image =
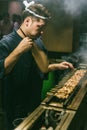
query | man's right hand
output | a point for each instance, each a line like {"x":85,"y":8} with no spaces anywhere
{"x":25,"y":45}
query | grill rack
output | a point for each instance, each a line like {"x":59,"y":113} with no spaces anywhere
{"x":65,"y":102}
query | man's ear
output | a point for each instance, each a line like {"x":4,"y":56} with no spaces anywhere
{"x":27,"y":21}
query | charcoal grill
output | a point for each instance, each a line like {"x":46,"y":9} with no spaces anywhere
{"x":74,"y":99}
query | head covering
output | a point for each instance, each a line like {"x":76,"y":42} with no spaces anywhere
{"x":27,"y":5}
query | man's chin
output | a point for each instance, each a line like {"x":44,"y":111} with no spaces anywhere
{"x":35,"y":36}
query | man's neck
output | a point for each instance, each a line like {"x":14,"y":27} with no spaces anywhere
{"x":21,"y":33}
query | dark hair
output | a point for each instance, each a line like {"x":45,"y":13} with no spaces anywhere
{"x":38,"y":9}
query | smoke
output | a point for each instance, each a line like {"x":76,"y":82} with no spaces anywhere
{"x":74,"y":7}
{"x":82,"y":51}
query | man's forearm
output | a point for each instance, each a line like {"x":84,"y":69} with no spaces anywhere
{"x":11,"y":60}
{"x":40,"y":58}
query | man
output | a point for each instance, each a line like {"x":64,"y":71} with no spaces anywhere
{"x":24,"y":63}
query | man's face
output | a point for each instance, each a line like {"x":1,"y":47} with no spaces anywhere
{"x":36,"y":27}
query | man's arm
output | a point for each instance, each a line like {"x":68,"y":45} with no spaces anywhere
{"x":60,"y":66}
{"x":43,"y":61}
{"x":40,"y":58}
{"x":11,"y":60}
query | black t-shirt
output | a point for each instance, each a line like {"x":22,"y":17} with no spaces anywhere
{"x":22,"y":86}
